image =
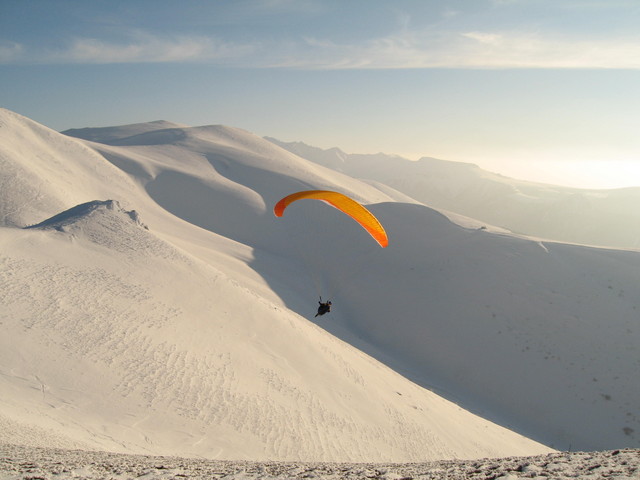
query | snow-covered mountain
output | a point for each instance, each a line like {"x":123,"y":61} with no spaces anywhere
{"x":608,"y":218}
{"x":155,"y":304}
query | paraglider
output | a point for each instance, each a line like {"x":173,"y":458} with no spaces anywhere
{"x":343,"y":203}
{"x":325,"y":307}
{"x":347,"y":206}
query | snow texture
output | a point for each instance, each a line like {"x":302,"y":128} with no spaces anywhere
{"x":155,"y":305}
{"x":22,"y":463}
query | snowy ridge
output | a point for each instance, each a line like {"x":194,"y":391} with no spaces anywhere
{"x":75,"y":214}
{"x":195,"y":337}
{"x":114,"y":134}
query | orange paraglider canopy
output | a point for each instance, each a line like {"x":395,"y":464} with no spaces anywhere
{"x":343,"y":203}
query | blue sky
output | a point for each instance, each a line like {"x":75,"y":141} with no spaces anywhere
{"x":541,"y":89}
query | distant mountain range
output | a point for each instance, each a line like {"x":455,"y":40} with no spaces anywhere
{"x":608,"y":218}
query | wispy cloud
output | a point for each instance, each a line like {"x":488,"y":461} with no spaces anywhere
{"x":407,"y":49}
{"x":505,"y":2}
{"x":521,"y":50}
{"x":138,"y":47}
{"x":474,"y":49}
{"x":10,"y":52}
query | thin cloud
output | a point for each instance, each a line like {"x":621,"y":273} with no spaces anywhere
{"x":10,"y":51}
{"x":501,"y":3}
{"x":474,"y":49}
{"x":509,"y":50}
{"x":145,"y":48}
{"x":409,"y":49}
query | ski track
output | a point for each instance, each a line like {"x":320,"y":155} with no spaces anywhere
{"x":28,"y":463}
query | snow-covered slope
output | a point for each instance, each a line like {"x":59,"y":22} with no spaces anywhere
{"x":159,"y":336}
{"x":187,"y":327}
{"x":123,"y":342}
{"x":607,"y":218}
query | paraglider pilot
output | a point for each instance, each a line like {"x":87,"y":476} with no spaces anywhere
{"x":324,"y":307}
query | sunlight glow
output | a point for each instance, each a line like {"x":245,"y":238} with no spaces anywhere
{"x":571,"y":173}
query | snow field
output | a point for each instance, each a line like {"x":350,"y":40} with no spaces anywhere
{"x":186,"y":328}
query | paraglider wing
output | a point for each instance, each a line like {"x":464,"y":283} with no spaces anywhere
{"x":343,"y":203}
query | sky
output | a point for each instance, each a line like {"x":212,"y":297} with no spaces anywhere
{"x":545,"y":90}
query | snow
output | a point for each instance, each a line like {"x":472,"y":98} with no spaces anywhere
{"x":155,"y":305}
{"x":18,"y":462}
